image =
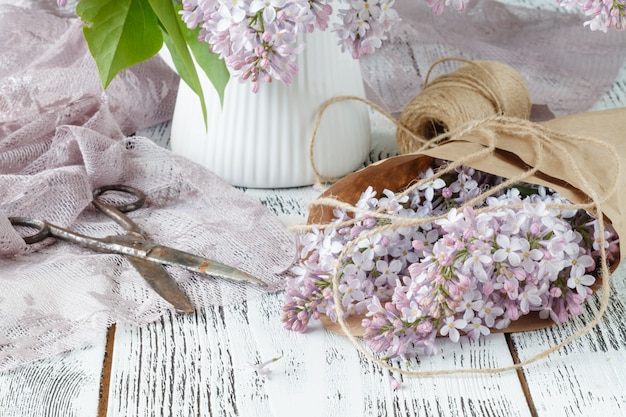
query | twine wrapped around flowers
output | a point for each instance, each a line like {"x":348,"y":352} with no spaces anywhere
{"x":548,"y":154}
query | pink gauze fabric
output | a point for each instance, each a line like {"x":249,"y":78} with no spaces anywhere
{"x":565,"y":65}
{"x":61,"y":137}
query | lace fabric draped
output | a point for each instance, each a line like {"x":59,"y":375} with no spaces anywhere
{"x":61,"y":137}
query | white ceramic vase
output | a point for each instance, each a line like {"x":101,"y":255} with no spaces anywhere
{"x":262,"y":140}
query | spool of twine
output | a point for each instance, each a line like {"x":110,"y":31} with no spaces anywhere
{"x":474,"y":91}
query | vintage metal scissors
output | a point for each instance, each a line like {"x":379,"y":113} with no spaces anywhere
{"x":147,"y":257}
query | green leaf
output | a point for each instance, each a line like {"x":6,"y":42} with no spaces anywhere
{"x":119,"y":34}
{"x":175,"y":41}
{"x":181,"y":68}
{"x":214,"y":67}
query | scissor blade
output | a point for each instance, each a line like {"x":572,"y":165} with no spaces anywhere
{"x":157,"y":277}
{"x":171,"y":256}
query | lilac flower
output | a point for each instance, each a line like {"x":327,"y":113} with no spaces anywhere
{"x":529,"y":256}
{"x":372,"y":246}
{"x":580,"y":264}
{"x":529,"y":297}
{"x":580,"y":282}
{"x":388,"y":272}
{"x":605,"y":13}
{"x":364,"y":25}
{"x":262,"y":369}
{"x":465,"y":272}
{"x":475,"y":329}
{"x":360,"y":265}
{"x":566,"y":242}
{"x":308,"y":242}
{"x":508,"y":250}
{"x":351,"y":291}
{"x":395,"y":383}
{"x":390,"y":203}
{"x":598,"y":239}
{"x":269,"y":8}
{"x":260,"y":39}
{"x":412,"y":313}
{"x":451,"y":328}
{"x":489,"y":313}
{"x":470,"y":305}
{"x":430,"y":187}
{"x":513,"y":222}
{"x":476,"y":263}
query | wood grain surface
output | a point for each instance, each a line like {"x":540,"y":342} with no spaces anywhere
{"x":64,"y":386}
{"x":202,"y":365}
{"x":588,"y":375}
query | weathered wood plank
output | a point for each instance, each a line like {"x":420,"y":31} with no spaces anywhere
{"x":332,"y":374}
{"x":201,"y":365}
{"x":588,"y":375}
{"x":64,"y":386}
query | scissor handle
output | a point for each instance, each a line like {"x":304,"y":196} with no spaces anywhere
{"x":140,"y":197}
{"x":117,"y":212}
{"x":43,"y":228}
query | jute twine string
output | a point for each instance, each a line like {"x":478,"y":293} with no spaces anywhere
{"x":319,"y":177}
{"x":490,"y":128}
{"x":474,"y":91}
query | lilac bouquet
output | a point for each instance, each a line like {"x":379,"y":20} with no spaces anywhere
{"x":254,"y":40}
{"x":259,"y":39}
{"x":521,"y":250}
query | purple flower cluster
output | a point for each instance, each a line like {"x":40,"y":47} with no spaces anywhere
{"x":364,"y":25}
{"x":605,"y":13}
{"x":259,"y":39}
{"x":457,"y":271}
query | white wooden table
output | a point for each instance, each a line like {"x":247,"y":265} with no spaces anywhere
{"x":200,"y":364}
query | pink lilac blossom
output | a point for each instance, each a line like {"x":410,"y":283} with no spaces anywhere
{"x":605,"y":14}
{"x":395,"y":383}
{"x":473,"y":270}
{"x":260,"y":39}
{"x":262,"y":369}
